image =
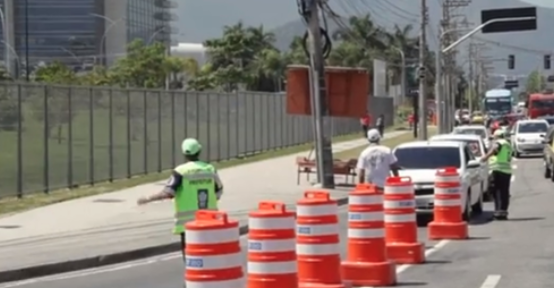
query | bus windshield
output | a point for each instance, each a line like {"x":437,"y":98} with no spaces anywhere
{"x":542,"y":103}
{"x":500,"y":104}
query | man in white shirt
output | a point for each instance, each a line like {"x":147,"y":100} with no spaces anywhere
{"x":376,"y":161}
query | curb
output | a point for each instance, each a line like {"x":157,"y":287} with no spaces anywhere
{"x":102,"y":260}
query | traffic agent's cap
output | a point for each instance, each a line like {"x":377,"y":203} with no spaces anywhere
{"x":191,"y":146}
{"x":373,"y":135}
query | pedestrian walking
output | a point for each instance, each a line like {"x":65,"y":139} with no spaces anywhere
{"x":376,"y":162}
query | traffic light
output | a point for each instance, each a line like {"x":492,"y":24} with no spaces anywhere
{"x":547,"y":62}
{"x":511,"y":62}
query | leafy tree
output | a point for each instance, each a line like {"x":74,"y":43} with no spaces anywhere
{"x":62,"y":107}
{"x":535,"y":82}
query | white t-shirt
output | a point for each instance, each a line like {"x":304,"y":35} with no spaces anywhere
{"x":376,"y":161}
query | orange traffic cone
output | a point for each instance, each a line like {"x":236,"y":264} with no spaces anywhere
{"x":317,"y":241}
{"x":400,"y":222}
{"x":447,"y":212}
{"x":212,"y":252}
{"x":271,"y":247}
{"x":366,"y":263}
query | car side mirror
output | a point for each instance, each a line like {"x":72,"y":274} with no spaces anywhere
{"x":473,"y":164}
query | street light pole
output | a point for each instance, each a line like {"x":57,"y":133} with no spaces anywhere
{"x":443,"y":125}
{"x":106,"y":31}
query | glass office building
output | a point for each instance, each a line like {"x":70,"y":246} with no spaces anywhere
{"x":74,"y":31}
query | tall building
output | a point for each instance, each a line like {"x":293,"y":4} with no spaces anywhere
{"x":80,"y":32}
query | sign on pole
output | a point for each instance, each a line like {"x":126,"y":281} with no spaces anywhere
{"x":509,"y":26}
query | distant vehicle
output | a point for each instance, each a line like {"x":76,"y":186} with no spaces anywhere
{"x":477,"y":117}
{"x":479,"y":130}
{"x":420,"y":160}
{"x":548,"y":157}
{"x":527,"y":136}
{"x":540,"y":104}
{"x":498,"y":102}
{"x":549,"y":119}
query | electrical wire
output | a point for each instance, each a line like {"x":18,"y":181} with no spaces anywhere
{"x":304,"y":11}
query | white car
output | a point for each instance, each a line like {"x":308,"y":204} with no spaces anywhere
{"x":477,"y":146}
{"x":420,"y":160}
{"x":480,"y":130}
{"x":527,"y":136}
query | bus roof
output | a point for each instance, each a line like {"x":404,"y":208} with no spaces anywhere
{"x":498,"y":93}
{"x":541,"y":96}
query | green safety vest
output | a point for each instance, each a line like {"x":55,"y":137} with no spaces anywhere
{"x":197,"y":192}
{"x":503,"y":159}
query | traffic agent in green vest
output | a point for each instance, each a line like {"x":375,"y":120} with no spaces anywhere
{"x":194,"y":185}
{"x":501,"y":167}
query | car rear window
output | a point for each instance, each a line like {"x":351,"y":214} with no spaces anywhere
{"x":532,"y":127}
{"x":474,"y":145}
{"x":428,"y":157}
{"x":467,"y":131}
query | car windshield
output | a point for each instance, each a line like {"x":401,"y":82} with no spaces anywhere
{"x":536,"y":127}
{"x":469,"y":131}
{"x":428,"y":157}
{"x":542,"y":103}
{"x":474,"y":145}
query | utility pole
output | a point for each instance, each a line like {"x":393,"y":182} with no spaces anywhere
{"x":422,"y":71}
{"x":471,"y":77}
{"x":324,"y":153}
{"x":445,"y":85}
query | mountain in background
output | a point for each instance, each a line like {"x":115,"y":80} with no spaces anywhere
{"x":201,"y":20}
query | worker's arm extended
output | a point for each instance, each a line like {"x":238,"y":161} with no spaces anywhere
{"x":168,"y":192}
{"x":493,"y":151}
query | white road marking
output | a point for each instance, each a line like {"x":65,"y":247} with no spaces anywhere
{"x":514,"y":166}
{"x":428,"y":252}
{"x":491,"y":281}
{"x":513,"y":178}
{"x":157,"y":259}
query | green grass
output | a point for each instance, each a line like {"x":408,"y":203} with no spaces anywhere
{"x":80,"y":152}
{"x":13,"y":204}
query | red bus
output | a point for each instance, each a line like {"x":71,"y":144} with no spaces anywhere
{"x":540,"y":104}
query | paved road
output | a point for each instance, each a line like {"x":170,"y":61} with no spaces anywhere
{"x":512,"y":254}
{"x":161,"y":272}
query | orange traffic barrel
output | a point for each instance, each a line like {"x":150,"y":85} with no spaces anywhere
{"x":212,"y":252}
{"x":401,"y":223}
{"x":271,"y":247}
{"x":317,"y":241}
{"x":366,"y":261}
{"x":447,"y":212}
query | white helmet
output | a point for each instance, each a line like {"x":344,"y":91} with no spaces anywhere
{"x":373,"y":135}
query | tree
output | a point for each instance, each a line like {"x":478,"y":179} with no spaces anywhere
{"x":535,"y":82}
{"x":62,"y":107}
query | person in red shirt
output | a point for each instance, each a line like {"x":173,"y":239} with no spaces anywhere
{"x":365,"y":121}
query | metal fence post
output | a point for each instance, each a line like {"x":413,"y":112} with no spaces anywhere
{"x":46,"y":137}
{"x":91,"y":136}
{"x":69,"y":138}
{"x":159,"y":132}
{"x":19,"y":142}
{"x":173,"y":156}
{"x":129,"y":145}
{"x":110,"y":136}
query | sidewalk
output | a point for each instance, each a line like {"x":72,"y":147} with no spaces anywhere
{"x":111,"y":228}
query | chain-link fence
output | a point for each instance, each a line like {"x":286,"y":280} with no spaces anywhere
{"x":54,"y":137}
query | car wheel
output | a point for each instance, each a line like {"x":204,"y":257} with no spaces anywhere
{"x":517,"y":154}
{"x":477,"y":208}
{"x":547,"y":171}
{"x":466,"y":215}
